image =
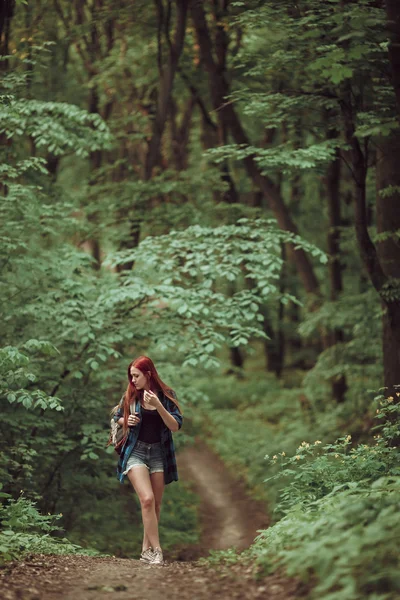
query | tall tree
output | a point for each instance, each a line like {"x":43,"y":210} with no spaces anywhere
{"x":229,"y":119}
{"x":380,"y":260}
{"x":333,"y":195}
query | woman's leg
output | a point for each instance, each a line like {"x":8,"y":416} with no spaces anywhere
{"x":140,"y":479}
{"x":157,"y":484}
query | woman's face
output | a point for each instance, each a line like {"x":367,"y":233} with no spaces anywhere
{"x":139,"y":379}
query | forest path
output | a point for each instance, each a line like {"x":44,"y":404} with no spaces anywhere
{"x":229,"y":517}
{"x":91,"y":578}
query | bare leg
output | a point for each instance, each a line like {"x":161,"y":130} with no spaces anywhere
{"x":157,"y":484}
{"x":140,"y":479}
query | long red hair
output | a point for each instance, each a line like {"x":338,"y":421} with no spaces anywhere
{"x":146,"y":366}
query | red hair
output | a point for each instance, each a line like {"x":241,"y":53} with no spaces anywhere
{"x":146,"y":366}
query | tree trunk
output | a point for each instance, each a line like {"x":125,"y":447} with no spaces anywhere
{"x":393,"y":25}
{"x":180,"y":134}
{"x":339,"y":385}
{"x":380,"y":263}
{"x":236,"y":361}
{"x":335,"y":222}
{"x":90,"y":50}
{"x":95,"y":163}
{"x":6,"y":14}
{"x":388,"y":222}
{"x":274,"y":347}
{"x":167,"y":76}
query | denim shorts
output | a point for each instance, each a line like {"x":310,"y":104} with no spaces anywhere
{"x":148,"y":455}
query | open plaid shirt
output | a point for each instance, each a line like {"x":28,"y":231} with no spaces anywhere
{"x":167,"y":444}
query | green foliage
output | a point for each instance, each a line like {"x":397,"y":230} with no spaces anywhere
{"x":193,"y":262}
{"x":218,"y":557}
{"x":358,"y":357}
{"x":332,"y":469}
{"x":68,"y":333}
{"x":79,"y":92}
{"x":59,"y":127}
{"x":336,"y":503}
{"x":285,"y":158}
{"x":15,"y":377}
{"x":348,"y":539}
{"x":341,"y":515}
{"x":231,"y":408}
{"x":23,"y":531}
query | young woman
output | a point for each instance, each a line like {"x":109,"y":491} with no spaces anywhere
{"x":148,"y":455}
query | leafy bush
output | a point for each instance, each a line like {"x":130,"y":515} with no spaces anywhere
{"x":348,"y":539}
{"x":335,"y":466}
{"x":341,"y":518}
{"x":217,"y":557}
{"x":24,"y":531}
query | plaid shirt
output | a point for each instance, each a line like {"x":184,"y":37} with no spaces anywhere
{"x":167,"y":444}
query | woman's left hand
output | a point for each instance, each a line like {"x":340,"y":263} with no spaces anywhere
{"x":151,"y":399}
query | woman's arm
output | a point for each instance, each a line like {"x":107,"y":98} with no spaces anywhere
{"x":133,"y":419}
{"x":170,"y":420}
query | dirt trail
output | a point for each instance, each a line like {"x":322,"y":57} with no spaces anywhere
{"x":86,"y":578}
{"x":228,"y":517}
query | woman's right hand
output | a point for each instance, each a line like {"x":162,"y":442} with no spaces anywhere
{"x":133,"y":420}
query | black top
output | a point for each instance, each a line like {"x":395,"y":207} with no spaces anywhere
{"x":150,"y":429}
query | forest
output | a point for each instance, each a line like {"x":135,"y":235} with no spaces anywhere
{"x":214,"y":184}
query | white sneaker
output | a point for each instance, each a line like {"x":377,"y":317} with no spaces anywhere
{"x":158,"y":558}
{"x":147,"y":556}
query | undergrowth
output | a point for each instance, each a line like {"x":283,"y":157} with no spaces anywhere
{"x":339,"y":514}
{"x":25,"y":531}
